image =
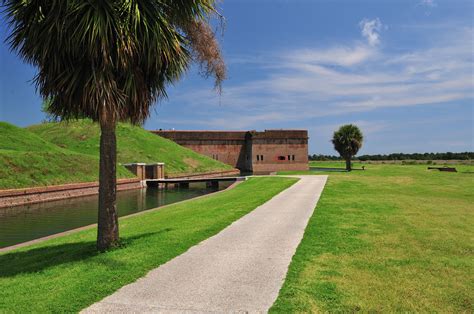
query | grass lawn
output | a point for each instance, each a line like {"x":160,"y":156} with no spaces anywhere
{"x":390,"y":238}
{"x":66,"y":274}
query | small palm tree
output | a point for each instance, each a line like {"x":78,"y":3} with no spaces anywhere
{"x":109,"y":61}
{"x":347,"y":142}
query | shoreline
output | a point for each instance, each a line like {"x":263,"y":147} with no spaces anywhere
{"x":60,"y":234}
{"x":32,"y":195}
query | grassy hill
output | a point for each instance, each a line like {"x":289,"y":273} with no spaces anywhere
{"x":134,"y":144}
{"x":27,"y":160}
{"x":57,"y":153}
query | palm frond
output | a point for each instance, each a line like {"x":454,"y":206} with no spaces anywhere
{"x":114,"y":56}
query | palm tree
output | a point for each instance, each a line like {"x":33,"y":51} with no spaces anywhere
{"x":347,"y":142}
{"x":110,"y":61}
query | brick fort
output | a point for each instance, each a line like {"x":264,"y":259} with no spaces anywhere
{"x":248,"y":151}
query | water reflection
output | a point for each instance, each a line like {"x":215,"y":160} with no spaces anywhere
{"x":24,"y":223}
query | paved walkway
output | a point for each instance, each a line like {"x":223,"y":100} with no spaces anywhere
{"x":241,"y":269}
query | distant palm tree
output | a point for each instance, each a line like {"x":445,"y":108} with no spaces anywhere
{"x":109,"y":61}
{"x":347,"y":142}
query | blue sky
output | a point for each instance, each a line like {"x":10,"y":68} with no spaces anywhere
{"x":401,"y":70}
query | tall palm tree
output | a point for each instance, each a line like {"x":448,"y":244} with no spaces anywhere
{"x":110,"y":61}
{"x":347,"y":142}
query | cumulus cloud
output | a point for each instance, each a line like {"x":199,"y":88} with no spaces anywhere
{"x":371,"y":30}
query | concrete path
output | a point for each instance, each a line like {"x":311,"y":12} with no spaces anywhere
{"x":241,"y":269}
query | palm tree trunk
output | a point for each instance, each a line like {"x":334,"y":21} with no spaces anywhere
{"x":348,"y":164}
{"x":107,"y":230}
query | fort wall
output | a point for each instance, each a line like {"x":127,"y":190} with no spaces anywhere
{"x":249,"y":151}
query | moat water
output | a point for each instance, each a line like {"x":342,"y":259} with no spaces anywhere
{"x":24,"y":223}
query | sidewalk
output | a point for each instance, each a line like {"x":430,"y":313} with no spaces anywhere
{"x":241,"y":268}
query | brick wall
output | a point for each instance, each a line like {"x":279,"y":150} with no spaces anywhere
{"x":268,"y":151}
{"x":225,"y":146}
{"x":268,"y":157}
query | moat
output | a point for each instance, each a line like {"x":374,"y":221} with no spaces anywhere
{"x":24,"y":223}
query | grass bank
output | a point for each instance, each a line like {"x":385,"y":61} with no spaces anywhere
{"x":390,"y":238}
{"x":27,"y":160}
{"x":58,"y":153}
{"x":66,"y":274}
{"x":134,"y":144}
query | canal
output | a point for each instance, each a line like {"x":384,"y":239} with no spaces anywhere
{"x":24,"y":223}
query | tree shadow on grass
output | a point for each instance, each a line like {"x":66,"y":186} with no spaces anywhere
{"x":39,"y":259}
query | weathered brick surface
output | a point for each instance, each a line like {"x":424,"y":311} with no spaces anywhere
{"x":260,"y":152}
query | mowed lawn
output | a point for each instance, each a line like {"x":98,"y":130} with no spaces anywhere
{"x":390,"y":238}
{"x":66,"y":274}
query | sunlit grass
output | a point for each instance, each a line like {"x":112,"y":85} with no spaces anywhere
{"x":390,"y":238}
{"x":134,"y":144}
{"x":59,"y":153}
{"x":66,"y":274}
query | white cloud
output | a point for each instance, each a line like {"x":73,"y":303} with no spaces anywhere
{"x":336,"y":81}
{"x":341,"y":56}
{"x":371,"y":30}
{"x":428,"y":3}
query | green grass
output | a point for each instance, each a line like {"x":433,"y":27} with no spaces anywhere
{"x":390,"y":238}
{"x":13,"y":138}
{"x":66,"y":274}
{"x":58,"y":153}
{"x":27,"y":160}
{"x":134,"y":144}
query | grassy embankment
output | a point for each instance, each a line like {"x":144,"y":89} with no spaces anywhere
{"x":27,"y":160}
{"x":57,"y":153}
{"x":66,"y":274}
{"x":134,"y":144}
{"x":390,"y":238}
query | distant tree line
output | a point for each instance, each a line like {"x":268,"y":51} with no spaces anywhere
{"x":400,"y":156}
{"x":319,"y":157}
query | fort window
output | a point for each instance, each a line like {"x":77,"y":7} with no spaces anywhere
{"x":281,"y":157}
{"x":258,"y":157}
{"x":289,"y":157}
{"x":293,"y":157}
{"x":261,"y":157}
